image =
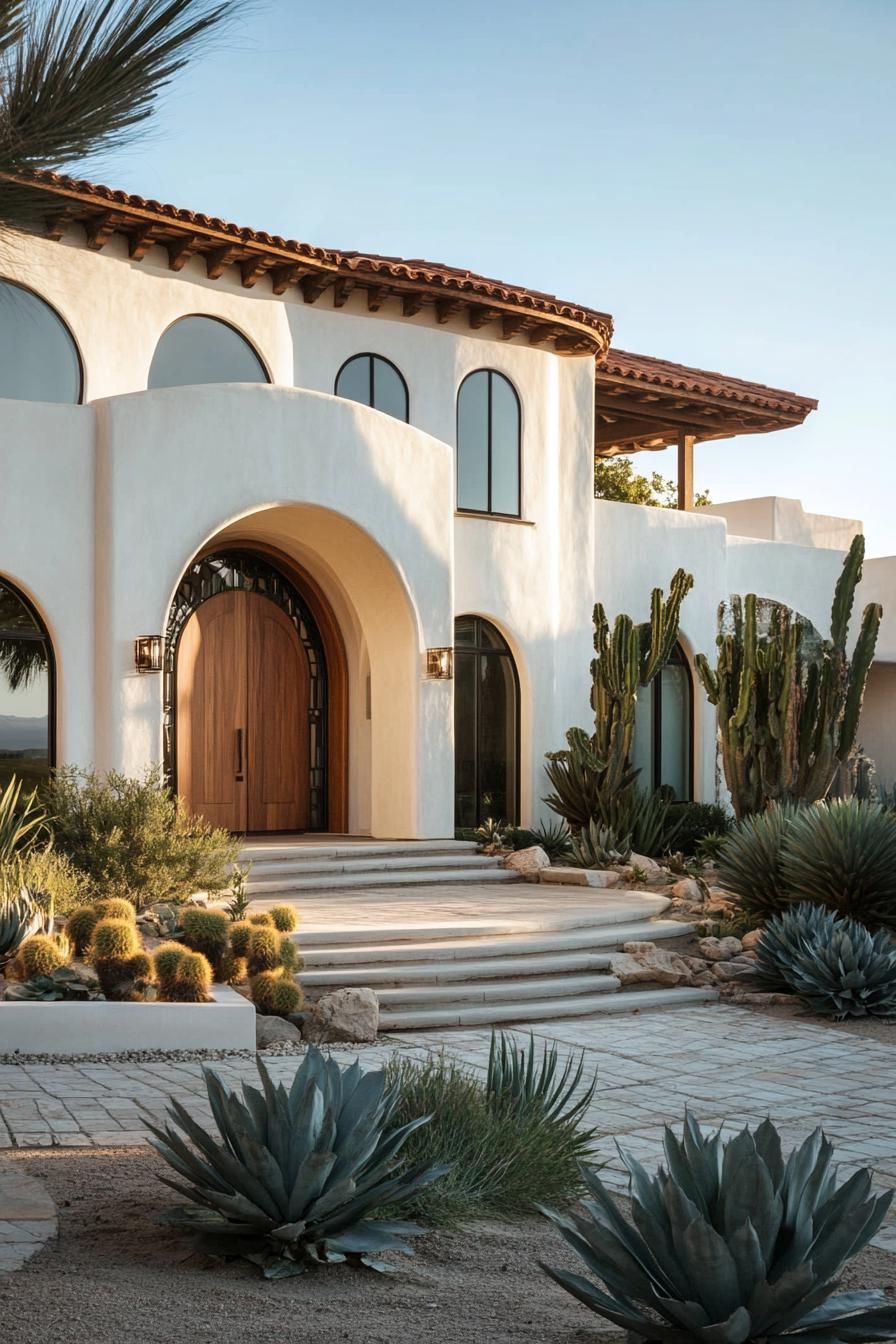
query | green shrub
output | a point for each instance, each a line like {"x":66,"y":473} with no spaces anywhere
{"x":843,"y":855}
{"x":751,"y":861}
{"x":332,"y":1127}
{"x":694,"y":821}
{"x":731,"y":1244}
{"x":835,"y":966}
{"x":45,"y":870}
{"x":504,"y":1153}
{"x":131,"y":836}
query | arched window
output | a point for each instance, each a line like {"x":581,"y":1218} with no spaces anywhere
{"x":38,"y":357}
{"x":204,"y":350}
{"x":375,"y":382}
{"x":664,"y":729}
{"x":488,"y":444}
{"x":486,"y":725}
{"x":26,"y":690}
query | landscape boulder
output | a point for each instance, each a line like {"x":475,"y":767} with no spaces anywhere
{"x":273,"y":1030}
{"x":687,"y":889}
{"x":720,"y":949}
{"x":649,"y":866}
{"x":528,"y":862}
{"x":645,"y":963}
{"x":345,"y":1015}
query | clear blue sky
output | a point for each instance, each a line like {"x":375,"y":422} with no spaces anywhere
{"x":717,"y":174}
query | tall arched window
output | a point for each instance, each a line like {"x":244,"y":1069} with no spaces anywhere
{"x":375,"y":382}
{"x":488,"y":444}
{"x":486,"y":725}
{"x":38,"y":357}
{"x":204,"y":350}
{"x":26,"y":690}
{"x":664,"y":729}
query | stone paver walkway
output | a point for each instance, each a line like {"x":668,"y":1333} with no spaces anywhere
{"x":27,"y":1218}
{"x":728,"y":1065}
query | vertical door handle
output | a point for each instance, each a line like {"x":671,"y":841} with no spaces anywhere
{"x":239,"y":753}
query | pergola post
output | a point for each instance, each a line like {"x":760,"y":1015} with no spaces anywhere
{"x":686,"y":470}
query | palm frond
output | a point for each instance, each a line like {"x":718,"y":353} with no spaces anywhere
{"x":77,"y":78}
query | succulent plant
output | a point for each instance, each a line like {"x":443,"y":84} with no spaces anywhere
{"x":275,"y":994}
{"x":115,"y":907}
{"x":65,"y":983}
{"x":264,"y":950}
{"x":836,"y":966}
{"x":233,"y":969}
{"x":751,"y":861}
{"x":518,"y":1081}
{"x":193,"y":980}
{"x":21,"y":916}
{"x":40,"y":955}
{"x":262,"y":918}
{"x":21,"y":820}
{"x":598,"y":846}
{"x":166,"y":959}
{"x":730,"y":1244}
{"x":843,"y":854}
{"x":80,"y":926}
{"x":297,"y":1172}
{"x":117,"y":957}
{"x":554,"y":838}
{"x":238,"y":904}
{"x":284,"y":917}
{"x":289,"y":954}
{"x":240,"y":934}
{"x":208,"y":932}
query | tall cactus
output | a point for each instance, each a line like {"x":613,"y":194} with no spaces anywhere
{"x":627,"y":658}
{"x":788,"y":700}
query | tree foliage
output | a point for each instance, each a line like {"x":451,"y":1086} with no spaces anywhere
{"x":615,"y":478}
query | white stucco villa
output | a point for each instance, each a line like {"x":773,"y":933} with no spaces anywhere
{"x":320,"y":482}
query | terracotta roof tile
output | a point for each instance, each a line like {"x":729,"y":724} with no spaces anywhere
{"x":678,"y":377}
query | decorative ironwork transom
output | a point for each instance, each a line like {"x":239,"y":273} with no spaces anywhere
{"x":244,"y":571}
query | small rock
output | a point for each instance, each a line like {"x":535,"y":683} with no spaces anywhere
{"x":350,"y":1015}
{"x":729,"y":970}
{"x":649,"y":866}
{"x":657,"y":966}
{"x":720,"y":949}
{"x":629,"y":970}
{"x":579,"y":877}
{"x":528,"y":862}
{"x":270,"y":1030}
{"x":751,"y":940}
{"x":688,"y":889}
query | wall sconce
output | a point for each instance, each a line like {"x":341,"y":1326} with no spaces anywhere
{"x":440,"y":663}
{"x":148,"y":653}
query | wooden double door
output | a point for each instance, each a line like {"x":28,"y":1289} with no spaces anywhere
{"x":242,"y":715}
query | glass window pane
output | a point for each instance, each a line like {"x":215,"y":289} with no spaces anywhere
{"x":642,"y":745}
{"x":354,"y":380}
{"x":505,"y":447}
{"x":676,"y":730}
{"x":465,"y":630}
{"x":38,"y":359}
{"x":24,"y":711}
{"x":465,"y":809}
{"x":14,"y":615}
{"x":472,"y":443}
{"x":497,"y":738}
{"x":203,"y":350}
{"x":389,"y":393}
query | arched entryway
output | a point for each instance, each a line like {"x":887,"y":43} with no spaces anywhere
{"x":249,"y":713}
{"x":486,"y":725}
{"x":27,"y":690}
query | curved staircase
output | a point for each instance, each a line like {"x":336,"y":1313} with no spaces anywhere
{"x":290,"y":868}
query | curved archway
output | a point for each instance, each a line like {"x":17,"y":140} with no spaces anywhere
{"x":199,"y":349}
{"x":248,"y":651}
{"x":39,"y":360}
{"x":486,"y":724}
{"x":663,"y":746}
{"x":27,"y":690}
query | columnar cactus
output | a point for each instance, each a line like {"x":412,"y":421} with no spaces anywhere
{"x":788,"y":700}
{"x":626,"y":658}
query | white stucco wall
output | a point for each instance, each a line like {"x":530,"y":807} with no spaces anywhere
{"x":774,"y":518}
{"x":877,"y":726}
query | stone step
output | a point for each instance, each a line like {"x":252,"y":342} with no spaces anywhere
{"x":446,"y":973}
{"x":352,"y":947}
{"x":378,"y":863}
{"x":289,"y":885}
{"x":313,"y":851}
{"x":540,"y":1010}
{"x":552,"y":988}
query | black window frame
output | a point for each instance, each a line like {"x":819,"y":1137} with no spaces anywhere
{"x":490,"y":512}
{"x":38,"y":635}
{"x":678,"y":658}
{"x":222,"y":321}
{"x":79,"y":359}
{"x":477,"y":650}
{"x":371,"y":358}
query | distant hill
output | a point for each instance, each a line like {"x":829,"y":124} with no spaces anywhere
{"x":20,"y":734}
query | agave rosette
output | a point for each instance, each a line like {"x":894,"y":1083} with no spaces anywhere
{"x":296,"y":1171}
{"x":837,"y":967}
{"x":731,"y":1243}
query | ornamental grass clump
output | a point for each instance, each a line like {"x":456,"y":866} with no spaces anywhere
{"x":730,"y":1243}
{"x":836,"y":966}
{"x":295,"y":1173}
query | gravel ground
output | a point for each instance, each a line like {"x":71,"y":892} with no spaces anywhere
{"x":117,"y":1274}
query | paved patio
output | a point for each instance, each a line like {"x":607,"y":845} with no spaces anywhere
{"x":729,"y":1065}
